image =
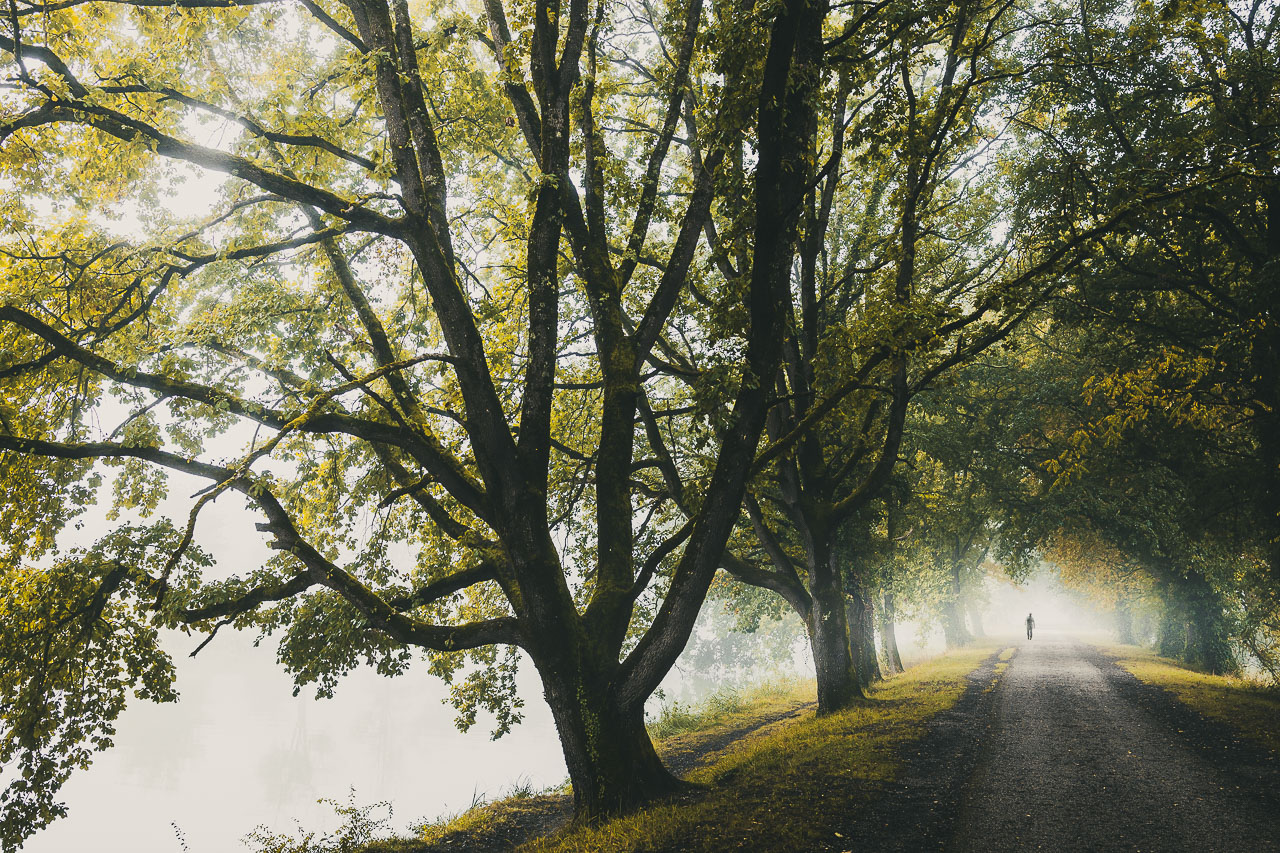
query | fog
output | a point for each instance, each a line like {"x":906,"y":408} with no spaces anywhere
{"x":1057,"y":611}
{"x":239,"y":750}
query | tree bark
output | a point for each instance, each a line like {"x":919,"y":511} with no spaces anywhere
{"x":975,"y":618}
{"x":834,"y":664}
{"x":1207,"y":647}
{"x":892,"y":662}
{"x":862,"y":638}
{"x":1172,"y":642}
{"x":953,"y":627}
{"x":1124,"y":621}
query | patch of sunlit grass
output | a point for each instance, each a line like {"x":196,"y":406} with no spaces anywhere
{"x":1248,"y":706}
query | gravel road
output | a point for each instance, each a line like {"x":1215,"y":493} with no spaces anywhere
{"x":1067,"y":752}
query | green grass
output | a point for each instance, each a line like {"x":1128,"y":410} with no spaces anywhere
{"x":1248,"y":706}
{"x":788,"y":788}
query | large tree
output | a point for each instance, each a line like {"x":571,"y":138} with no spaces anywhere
{"x":426,"y":309}
{"x":912,"y":260}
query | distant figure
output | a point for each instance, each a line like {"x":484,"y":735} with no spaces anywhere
{"x":1031,"y":624}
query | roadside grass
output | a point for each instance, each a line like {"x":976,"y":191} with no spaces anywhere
{"x":487,"y":825}
{"x":791,"y":787}
{"x":1250,"y":707}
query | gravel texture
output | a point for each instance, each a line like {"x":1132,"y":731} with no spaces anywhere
{"x":1068,"y":752}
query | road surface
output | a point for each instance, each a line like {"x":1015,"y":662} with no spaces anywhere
{"x":1065,"y":751}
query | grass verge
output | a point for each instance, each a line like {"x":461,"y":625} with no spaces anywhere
{"x":788,"y":788}
{"x":1249,"y":707}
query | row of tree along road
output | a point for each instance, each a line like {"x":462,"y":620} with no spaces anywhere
{"x":593,"y":309}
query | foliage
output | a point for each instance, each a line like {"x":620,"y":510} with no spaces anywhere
{"x":77,"y":639}
{"x":361,"y":825}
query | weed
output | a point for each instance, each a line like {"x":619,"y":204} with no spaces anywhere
{"x":361,"y":826}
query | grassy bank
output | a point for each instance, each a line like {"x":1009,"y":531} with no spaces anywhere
{"x":1247,"y":706}
{"x":777,"y":777}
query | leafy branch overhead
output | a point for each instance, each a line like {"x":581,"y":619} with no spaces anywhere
{"x":512,"y":323}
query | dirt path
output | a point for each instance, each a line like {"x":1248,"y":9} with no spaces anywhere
{"x":1068,"y":752}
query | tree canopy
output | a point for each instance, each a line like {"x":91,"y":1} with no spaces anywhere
{"x":514,"y":322}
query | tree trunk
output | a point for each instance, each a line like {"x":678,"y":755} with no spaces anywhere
{"x":953,"y":627}
{"x":1266,"y":369}
{"x":834,"y":666}
{"x":888,"y":635}
{"x":612,"y":764}
{"x":862,"y":638}
{"x":1207,"y":646}
{"x":1124,"y":621}
{"x":1172,"y":642}
{"x":975,"y":618}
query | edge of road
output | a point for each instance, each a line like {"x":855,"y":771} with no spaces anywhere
{"x":1251,"y":768}
{"x":920,"y":808}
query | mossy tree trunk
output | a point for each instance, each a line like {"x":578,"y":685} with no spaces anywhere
{"x":612,"y":764}
{"x":1207,"y":636}
{"x":862,"y":637}
{"x":835,"y":668}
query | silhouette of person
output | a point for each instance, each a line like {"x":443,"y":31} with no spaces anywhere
{"x":1031,"y":623}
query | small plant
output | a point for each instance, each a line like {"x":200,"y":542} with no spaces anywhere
{"x":360,"y":826}
{"x":522,"y":789}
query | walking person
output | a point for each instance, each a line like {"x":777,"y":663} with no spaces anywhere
{"x":1031,"y":624}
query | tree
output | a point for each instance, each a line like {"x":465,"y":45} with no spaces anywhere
{"x":426,"y":310}
{"x":1180,"y":102}
{"x":911,"y":262}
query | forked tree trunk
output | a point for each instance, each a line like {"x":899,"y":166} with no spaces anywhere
{"x":612,"y":764}
{"x":892,"y":662}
